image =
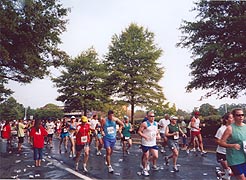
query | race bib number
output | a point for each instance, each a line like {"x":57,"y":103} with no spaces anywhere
{"x":64,"y":130}
{"x":84,"y":139}
{"x":153,"y":135}
{"x":244,"y":146}
{"x":110,"y":130}
{"x":176,"y":136}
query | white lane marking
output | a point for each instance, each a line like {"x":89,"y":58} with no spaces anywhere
{"x":58,"y":164}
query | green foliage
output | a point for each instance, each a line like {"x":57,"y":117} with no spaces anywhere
{"x":218,"y":44}
{"x":29,"y":36}
{"x":11,"y":110}
{"x":48,"y":111}
{"x":207,"y":110}
{"x":81,"y":83}
{"x":133,"y":73}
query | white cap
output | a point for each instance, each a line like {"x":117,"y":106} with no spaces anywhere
{"x":73,"y":117}
{"x":174,"y":117}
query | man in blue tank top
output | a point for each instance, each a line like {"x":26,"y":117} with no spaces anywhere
{"x":109,"y":136}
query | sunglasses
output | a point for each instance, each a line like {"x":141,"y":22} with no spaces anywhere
{"x":238,"y":115}
{"x":151,"y":116}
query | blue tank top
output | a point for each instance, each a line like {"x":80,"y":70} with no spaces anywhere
{"x":110,"y":129}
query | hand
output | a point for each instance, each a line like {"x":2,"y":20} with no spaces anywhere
{"x":237,"y":146}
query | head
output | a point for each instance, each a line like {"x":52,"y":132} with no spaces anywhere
{"x":110,"y":114}
{"x":126,"y":118}
{"x":166,"y":116}
{"x":227,"y":119}
{"x":196,"y":114}
{"x":173,"y":119}
{"x":151,"y":116}
{"x":73,"y":118}
{"x":84,"y":119}
{"x":238,"y":114}
{"x":94,"y":116}
{"x":37,"y":124}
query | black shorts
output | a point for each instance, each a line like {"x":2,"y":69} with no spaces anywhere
{"x":21,"y":139}
{"x":80,"y":147}
{"x":50,"y":136}
{"x":220,"y":157}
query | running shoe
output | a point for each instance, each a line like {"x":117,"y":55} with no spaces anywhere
{"x":84,"y":167}
{"x":148,"y":166}
{"x":110,"y":169}
{"x":203,"y":152}
{"x":193,"y":150}
{"x":145,"y":172}
{"x":175,"y":169}
{"x":127,"y":152}
{"x":155,"y":168}
{"x":166,"y":161}
{"x":76,"y":166}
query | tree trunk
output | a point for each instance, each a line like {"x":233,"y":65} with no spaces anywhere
{"x":132,"y":113}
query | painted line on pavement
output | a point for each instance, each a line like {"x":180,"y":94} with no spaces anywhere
{"x":58,"y":164}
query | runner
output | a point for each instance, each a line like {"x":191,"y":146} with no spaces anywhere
{"x":72,"y":128}
{"x":126,"y":136}
{"x":21,"y":134}
{"x":172,"y":133}
{"x":227,"y":119}
{"x":6,"y":135}
{"x":108,"y":131}
{"x":99,"y":137}
{"x":82,"y":142}
{"x":148,"y":131}
{"x":163,"y":123}
{"x":50,"y":127}
{"x":64,"y":135}
{"x":93,"y":133}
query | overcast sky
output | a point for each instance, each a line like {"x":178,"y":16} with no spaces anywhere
{"x":94,"y":22}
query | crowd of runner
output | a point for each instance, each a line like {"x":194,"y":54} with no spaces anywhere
{"x":76,"y":135}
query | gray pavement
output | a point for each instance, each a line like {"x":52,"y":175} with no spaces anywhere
{"x":60,"y":166}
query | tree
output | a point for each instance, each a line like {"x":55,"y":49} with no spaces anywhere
{"x":80,"y":85}
{"x":11,"y":110}
{"x":207,"y":110}
{"x":49,"y":111}
{"x":218,"y":44}
{"x":133,"y":69}
{"x":29,"y":35}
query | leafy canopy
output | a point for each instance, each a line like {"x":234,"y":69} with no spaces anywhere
{"x":29,"y":35}
{"x":218,"y":44}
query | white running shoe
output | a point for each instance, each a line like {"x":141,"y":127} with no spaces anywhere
{"x":145,"y":172}
{"x":76,"y":166}
{"x":110,"y":169}
{"x":84,"y":167}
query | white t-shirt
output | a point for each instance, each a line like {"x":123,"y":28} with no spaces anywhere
{"x":50,"y":126}
{"x":218,"y":135}
{"x":196,"y":124}
{"x":93,"y":123}
{"x":150,"y":132}
{"x":164,"y":123}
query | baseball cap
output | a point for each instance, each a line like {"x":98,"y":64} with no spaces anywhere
{"x":73,"y":117}
{"x":84,"y":119}
{"x":174,"y":117}
{"x":126,"y":117}
{"x":196,"y":113}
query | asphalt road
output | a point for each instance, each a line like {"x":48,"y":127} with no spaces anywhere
{"x":60,"y":166}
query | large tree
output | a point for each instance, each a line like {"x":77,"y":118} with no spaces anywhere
{"x":48,"y":111}
{"x":133,"y":69}
{"x":80,"y":83}
{"x":217,"y":40}
{"x":10,"y":109}
{"x":29,"y":35}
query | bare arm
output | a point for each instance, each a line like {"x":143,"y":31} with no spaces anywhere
{"x":222,"y":142}
{"x":140,"y":130}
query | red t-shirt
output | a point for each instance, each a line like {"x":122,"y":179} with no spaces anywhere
{"x":6,"y":132}
{"x":38,"y":137}
{"x":83,"y":135}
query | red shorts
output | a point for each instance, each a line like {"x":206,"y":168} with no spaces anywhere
{"x":195,"y":133}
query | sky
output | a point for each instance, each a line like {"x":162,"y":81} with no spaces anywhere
{"x":94,"y":22}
